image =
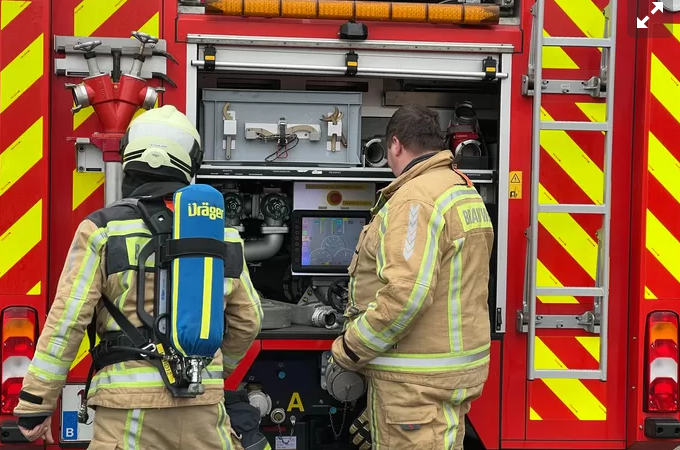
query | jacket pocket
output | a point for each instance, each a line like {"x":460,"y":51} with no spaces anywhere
{"x":352,"y":268}
{"x":411,"y":425}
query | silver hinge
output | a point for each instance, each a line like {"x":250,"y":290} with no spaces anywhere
{"x":588,"y":321}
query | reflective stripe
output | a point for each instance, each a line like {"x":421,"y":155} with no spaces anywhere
{"x":369,"y":336}
{"x":120,"y":377}
{"x":375,"y":426}
{"x":122,"y":227}
{"x":81,"y":286}
{"x":230,"y":361}
{"x":48,"y":368}
{"x":455,"y":286}
{"x":452,"y":419}
{"x":207,"y":297}
{"x":222,"y":429}
{"x":175,"y":278}
{"x":430,"y":363}
{"x":119,"y":302}
{"x":133,"y":429}
{"x":380,"y":256}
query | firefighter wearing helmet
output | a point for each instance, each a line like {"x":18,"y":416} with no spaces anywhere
{"x":134,"y":408}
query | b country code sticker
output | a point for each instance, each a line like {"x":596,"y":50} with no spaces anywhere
{"x":71,"y":430}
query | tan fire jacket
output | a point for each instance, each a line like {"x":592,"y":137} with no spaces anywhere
{"x":100,"y":263}
{"x":418,"y":307}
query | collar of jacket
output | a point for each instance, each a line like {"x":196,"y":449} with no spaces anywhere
{"x":157,"y":189}
{"x":418,"y":166}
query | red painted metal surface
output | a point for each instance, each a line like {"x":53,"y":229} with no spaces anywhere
{"x":485,"y":412}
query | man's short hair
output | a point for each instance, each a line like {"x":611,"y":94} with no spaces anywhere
{"x":417,"y":128}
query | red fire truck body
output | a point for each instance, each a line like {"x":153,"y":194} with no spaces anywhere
{"x":44,"y":195}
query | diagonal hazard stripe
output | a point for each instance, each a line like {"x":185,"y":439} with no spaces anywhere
{"x":663,"y":245}
{"x":84,"y":350}
{"x":573,"y":160}
{"x":533,"y":415}
{"x":665,"y":87}
{"x":663,"y":165}
{"x":21,"y":73}
{"x":9,"y":10}
{"x":84,"y":185}
{"x":571,"y":236}
{"x":18,"y":158}
{"x":585,"y":15}
{"x":591,"y":344}
{"x":545,"y":278}
{"x":20,"y":238}
{"x":151,"y":26}
{"x":556,"y":57}
{"x":674,"y":29}
{"x":35,"y":290}
{"x":91,"y":14}
{"x":572,"y":392}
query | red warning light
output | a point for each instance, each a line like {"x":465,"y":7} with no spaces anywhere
{"x":334,"y":198}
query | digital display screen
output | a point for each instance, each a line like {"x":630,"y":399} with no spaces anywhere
{"x":330,"y":241}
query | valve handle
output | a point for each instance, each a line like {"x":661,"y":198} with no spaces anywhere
{"x":144,"y":38}
{"x":87,"y":46}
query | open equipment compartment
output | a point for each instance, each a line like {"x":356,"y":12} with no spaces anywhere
{"x":282,"y":98}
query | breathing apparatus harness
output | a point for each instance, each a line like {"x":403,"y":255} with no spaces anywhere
{"x":180,"y":373}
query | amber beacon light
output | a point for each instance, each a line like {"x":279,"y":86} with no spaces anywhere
{"x":466,"y":14}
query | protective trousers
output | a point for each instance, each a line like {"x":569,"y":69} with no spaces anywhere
{"x":409,"y":416}
{"x":187,"y":428}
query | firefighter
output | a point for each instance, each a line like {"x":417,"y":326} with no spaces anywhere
{"x":418,"y":327}
{"x":134,"y":408}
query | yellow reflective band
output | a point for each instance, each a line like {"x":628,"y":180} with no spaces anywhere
{"x":24,"y":153}
{"x":663,"y":165}
{"x":454,"y":307}
{"x":207,"y":297}
{"x":91,"y":14}
{"x":663,"y":245}
{"x":175,"y":277}
{"x":22,"y":72}
{"x":9,"y":10}
{"x":665,"y":87}
{"x":591,"y":344}
{"x":424,"y":363}
{"x":222,"y":429}
{"x":375,"y":425}
{"x":133,"y":429}
{"x":126,"y":227}
{"x":556,"y":57}
{"x":533,"y":415}
{"x":380,"y":256}
{"x":545,"y":278}
{"x":20,"y":238}
{"x":586,"y":16}
{"x":581,"y":401}
{"x":134,"y":245}
{"x":84,"y":185}
{"x":48,"y":368}
{"x":76,"y":298}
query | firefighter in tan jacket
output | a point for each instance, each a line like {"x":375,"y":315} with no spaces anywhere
{"x":418,"y":325}
{"x":135,"y":410}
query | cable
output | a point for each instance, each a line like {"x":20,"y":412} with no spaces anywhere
{"x":279,"y":154}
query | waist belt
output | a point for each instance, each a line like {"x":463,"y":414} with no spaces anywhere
{"x":115,"y":347}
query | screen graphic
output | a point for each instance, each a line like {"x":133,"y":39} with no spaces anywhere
{"x":330,"y":241}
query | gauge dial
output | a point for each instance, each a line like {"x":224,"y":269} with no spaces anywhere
{"x":343,"y":257}
{"x":320,"y":257}
{"x":333,"y":243}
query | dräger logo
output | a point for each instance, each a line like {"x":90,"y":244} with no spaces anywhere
{"x":205,"y":210}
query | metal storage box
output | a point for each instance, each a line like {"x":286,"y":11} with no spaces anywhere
{"x":268,"y":107}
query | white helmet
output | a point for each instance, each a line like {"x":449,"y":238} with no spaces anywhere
{"x":162,"y":142}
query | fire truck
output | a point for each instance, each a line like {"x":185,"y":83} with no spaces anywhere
{"x":564,"y":113}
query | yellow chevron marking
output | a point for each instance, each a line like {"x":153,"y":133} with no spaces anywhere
{"x":18,"y":158}
{"x":674,"y":29}
{"x":545,"y":278}
{"x":663,"y":165}
{"x":20,"y":238}
{"x":665,"y":87}
{"x":9,"y":10}
{"x":574,"y":161}
{"x":533,"y":415}
{"x":649,"y":295}
{"x":596,"y":112}
{"x":91,"y":14}
{"x":556,"y":58}
{"x":585,"y":15}
{"x":591,"y":344}
{"x":572,"y":392}
{"x":83,"y":350}
{"x":84,"y":185}
{"x":571,"y":236}
{"x":81,"y":116}
{"x":21,"y":73}
{"x":35,"y":290}
{"x":663,"y":245}
{"x":151,"y":27}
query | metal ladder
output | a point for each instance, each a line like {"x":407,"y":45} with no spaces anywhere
{"x":594,"y":321}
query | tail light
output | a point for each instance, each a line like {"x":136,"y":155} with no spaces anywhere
{"x":661,"y":364}
{"x":19,"y":335}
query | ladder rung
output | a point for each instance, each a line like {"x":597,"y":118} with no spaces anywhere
{"x":581,"y":374}
{"x":570,"y":291}
{"x":572,"y":209}
{"x":576,"y":42}
{"x":575,"y":126}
